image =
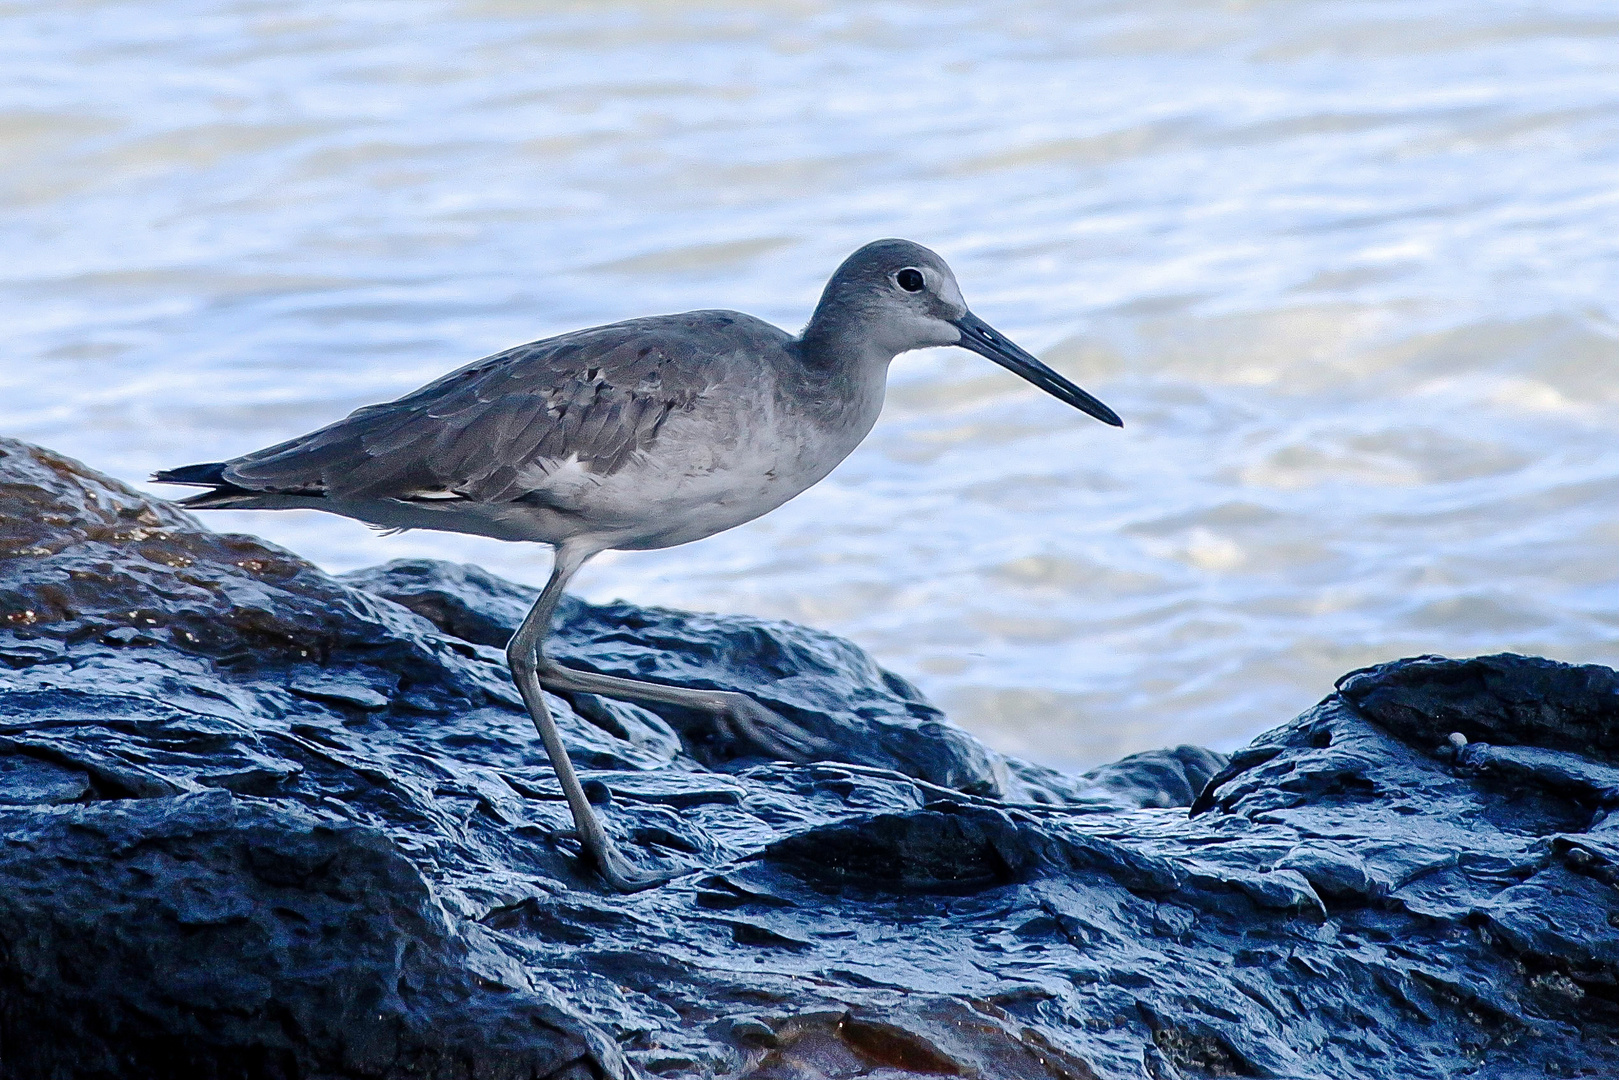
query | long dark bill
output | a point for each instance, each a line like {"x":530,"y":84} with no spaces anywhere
{"x":985,"y":340}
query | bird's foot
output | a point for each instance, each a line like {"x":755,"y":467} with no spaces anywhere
{"x":758,"y":730}
{"x":623,"y":877}
{"x":627,"y":879}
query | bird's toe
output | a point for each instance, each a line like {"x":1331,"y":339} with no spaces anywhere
{"x":771,"y":735}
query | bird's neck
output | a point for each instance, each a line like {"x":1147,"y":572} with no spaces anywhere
{"x":841,"y":373}
{"x":840,"y":341}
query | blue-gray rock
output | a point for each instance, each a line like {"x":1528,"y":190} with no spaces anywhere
{"x":256,"y":821}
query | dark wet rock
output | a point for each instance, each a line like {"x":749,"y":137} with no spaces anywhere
{"x":825,"y":684}
{"x":1512,"y":700}
{"x":1160,"y":778}
{"x":256,"y":821}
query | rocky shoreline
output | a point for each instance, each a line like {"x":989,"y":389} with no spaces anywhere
{"x":258,"y":821}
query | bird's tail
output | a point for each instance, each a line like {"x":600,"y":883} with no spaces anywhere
{"x":210,"y":474}
{"x":225,"y":495}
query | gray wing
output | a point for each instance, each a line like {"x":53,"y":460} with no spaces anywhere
{"x":481,"y":432}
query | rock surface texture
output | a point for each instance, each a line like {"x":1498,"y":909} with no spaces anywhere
{"x":256,"y":821}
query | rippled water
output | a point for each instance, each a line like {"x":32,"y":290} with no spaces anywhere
{"x":1349,"y":270}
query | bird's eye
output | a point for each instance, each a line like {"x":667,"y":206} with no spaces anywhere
{"x":909,"y":279}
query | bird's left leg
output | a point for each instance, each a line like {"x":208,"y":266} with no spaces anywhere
{"x":522,"y":654}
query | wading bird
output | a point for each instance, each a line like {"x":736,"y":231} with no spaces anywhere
{"x":636,"y":435}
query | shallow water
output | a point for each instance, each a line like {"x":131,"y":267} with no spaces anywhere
{"x":1350,"y":272}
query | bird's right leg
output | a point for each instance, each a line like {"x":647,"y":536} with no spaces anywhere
{"x":738,"y":715}
{"x":522,"y":654}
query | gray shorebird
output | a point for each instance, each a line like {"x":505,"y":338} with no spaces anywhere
{"x":636,"y":435}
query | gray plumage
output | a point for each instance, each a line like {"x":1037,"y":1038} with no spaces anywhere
{"x":598,"y":394}
{"x":640,"y":434}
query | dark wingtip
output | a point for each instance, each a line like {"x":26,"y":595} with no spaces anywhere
{"x":209,"y":474}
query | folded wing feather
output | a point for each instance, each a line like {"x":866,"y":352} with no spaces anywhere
{"x":488,"y":430}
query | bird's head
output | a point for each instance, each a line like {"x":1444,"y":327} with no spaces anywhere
{"x":893,"y":296}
